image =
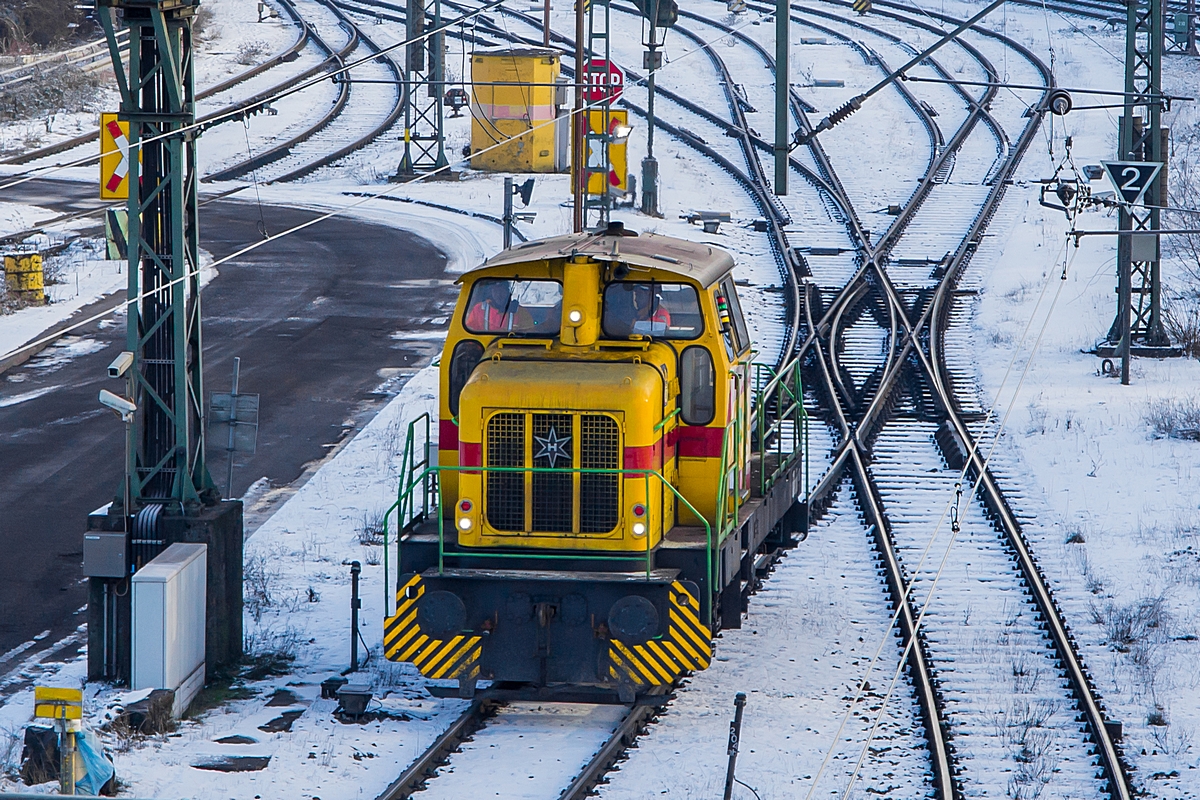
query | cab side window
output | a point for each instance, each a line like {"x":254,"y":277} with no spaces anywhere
{"x":462,"y":362}
{"x":737,"y":323}
{"x":698,"y":386}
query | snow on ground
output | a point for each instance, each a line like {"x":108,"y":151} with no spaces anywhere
{"x":1117,"y":517}
{"x":1115,"y":507}
{"x":805,"y":647}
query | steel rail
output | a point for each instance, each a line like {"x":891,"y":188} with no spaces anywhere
{"x":933,"y":367}
{"x":921,"y":671}
{"x":302,"y":37}
{"x":336,"y":59}
{"x":413,"y":779}
{"x":87,"y":57}
{"x":374,"y":133}
{"x":627,"y":732}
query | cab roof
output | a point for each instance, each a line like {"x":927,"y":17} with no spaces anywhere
{"x":700,"y":262}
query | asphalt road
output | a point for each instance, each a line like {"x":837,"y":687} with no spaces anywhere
{"x":319,"y":320}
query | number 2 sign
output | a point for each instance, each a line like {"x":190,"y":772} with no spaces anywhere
{"x":1132,"y":178}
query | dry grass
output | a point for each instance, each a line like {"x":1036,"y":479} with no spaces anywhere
{"x":60,"y":89}
{"x":252,"y":52}
{"x":1175,"y":417}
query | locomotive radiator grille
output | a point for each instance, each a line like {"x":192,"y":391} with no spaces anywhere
{"x":506,"y":490}
{"x":552,"y":502}
{"x":599,"y":440}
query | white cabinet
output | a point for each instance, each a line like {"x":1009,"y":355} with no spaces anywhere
{"x":169,"y":597}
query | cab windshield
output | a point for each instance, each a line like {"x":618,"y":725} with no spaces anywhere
{"x":663,"y":310}
{"x":524,"y":308}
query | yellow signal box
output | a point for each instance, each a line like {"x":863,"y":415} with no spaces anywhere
{"x":516,"y":124}
{"x":53,"y":703}
{"x":617,"y":179}
{"x":114,"y":158}
{"x":23,"y":275}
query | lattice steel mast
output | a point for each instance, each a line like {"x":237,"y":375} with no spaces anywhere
{"x":424,"y":91}
{"x":166,"y":462}
{"x":1139,"y":286}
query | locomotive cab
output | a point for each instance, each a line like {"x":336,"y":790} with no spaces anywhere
{"x":594,"y":456}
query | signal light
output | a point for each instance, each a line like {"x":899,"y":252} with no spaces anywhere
{"x":639,"y":529}
{"x":464,"y":524}
{"x":639,"y":510}
{"x":525,"y":191}
{"x":662,"y":13}
{"x":465,"y":505}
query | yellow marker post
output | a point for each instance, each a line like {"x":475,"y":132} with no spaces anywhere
{"x":114,"y":157}
{"x":65,"y":707}
{"x":617,"y":179}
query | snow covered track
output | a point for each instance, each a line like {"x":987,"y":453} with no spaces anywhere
{"x":303,"y":34}
{"x":908,"y":302}
{"x":574,"y":745}
{"x":324,"y":141}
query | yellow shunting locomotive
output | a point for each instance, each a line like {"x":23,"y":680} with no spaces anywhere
{"x":611,"y":469}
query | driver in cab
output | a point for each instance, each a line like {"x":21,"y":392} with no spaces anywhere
{"x":642,"y":312}
{"x":495,"y":310}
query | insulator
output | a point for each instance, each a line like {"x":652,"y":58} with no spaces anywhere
{"x":854,"y":104}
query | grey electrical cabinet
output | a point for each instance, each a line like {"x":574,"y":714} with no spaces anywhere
{"x":104,"y":555}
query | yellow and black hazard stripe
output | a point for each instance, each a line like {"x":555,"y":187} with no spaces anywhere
{"x":861,"y":6}
{"x":457,"y":657}
{"x":687,"y":645}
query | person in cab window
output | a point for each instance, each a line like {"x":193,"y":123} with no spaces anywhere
{"x":492,"y":312}
{"x":650,"y":316}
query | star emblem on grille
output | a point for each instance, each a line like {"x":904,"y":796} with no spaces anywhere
{"x":553,"y":447}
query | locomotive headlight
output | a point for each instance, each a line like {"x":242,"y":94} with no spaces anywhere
{"x":639,"y":529}
{"x":464,"y":523}
{"x":575,"y":316}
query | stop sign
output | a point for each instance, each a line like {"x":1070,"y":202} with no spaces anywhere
{"x":603,"y":79}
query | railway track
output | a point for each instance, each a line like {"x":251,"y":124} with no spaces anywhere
{"x":340,"y":131}
{"x":875,"y":353}
{"x":286,"y":55}
{"x":916,"y":309}
{"x":924,"y":319}
{"x":325,"y":140}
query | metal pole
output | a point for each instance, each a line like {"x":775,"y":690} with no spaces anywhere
{"x":735,"y":736}
{"x":782,"y":24}
{"x":546,"y":24}
{"x":66,"y":764}
{"x":649,"y":164}
{"x":355,"y":605}
{"x":580,"y":123}
{"x":237,"y":366}
{"x":1124,"y":294}
{"x":508,"y":212}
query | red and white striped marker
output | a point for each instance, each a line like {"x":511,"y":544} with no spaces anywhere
{"x":122,"y":168}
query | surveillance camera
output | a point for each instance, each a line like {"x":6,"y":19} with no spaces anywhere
{"x":120,"y":364}
{"x":121,"y":405}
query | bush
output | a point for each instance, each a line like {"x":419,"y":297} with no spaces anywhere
{"x":64,"y":88}
{"x":28,"y":24}
{"x":1174,"y":417}
{"x":1138,"y":623}
{"x":370,"y":528}
{"x":251,"y":52}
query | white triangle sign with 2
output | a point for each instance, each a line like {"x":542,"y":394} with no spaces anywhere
{"x":1132,"y":178}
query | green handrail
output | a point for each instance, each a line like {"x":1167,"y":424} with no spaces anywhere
{"x":433,"y":471}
